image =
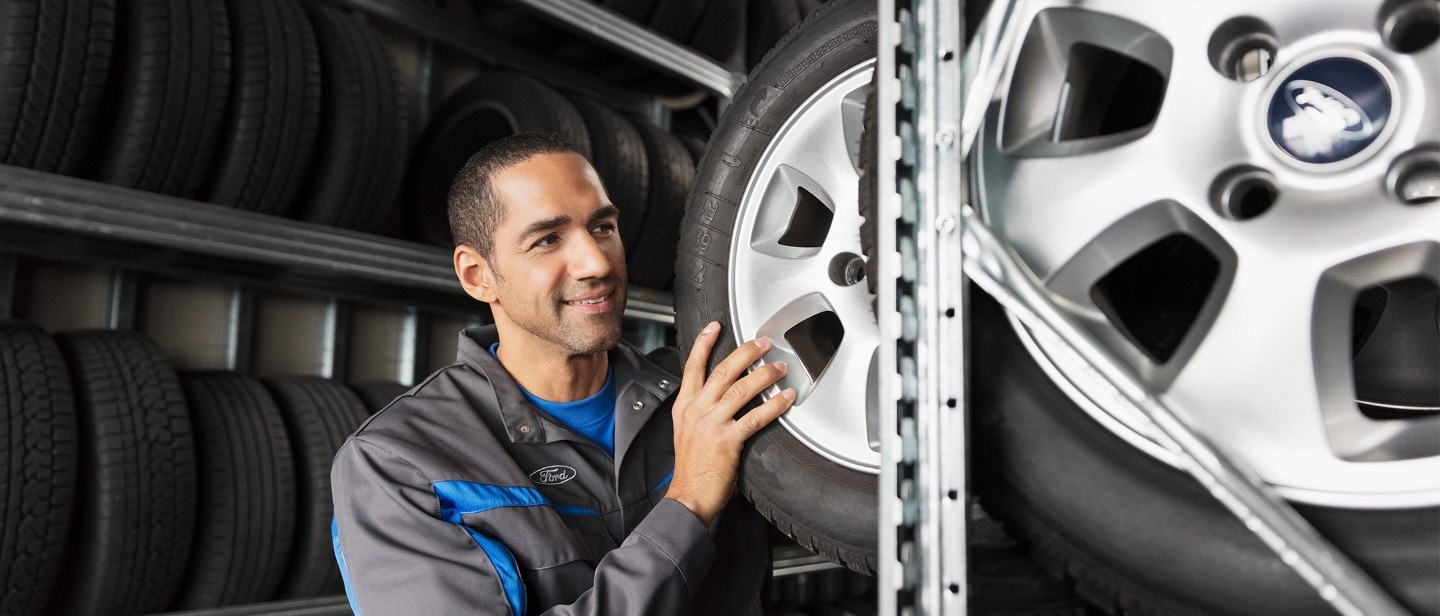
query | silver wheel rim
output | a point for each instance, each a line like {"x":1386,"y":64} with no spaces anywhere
{"x":787,"y":278}
{"x":1265,"y":366}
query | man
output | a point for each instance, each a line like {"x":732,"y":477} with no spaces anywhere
{"x":553,"y":468}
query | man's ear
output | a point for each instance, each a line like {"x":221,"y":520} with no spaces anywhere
{"x":475,"y":274}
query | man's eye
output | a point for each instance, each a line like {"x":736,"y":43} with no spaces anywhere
{"x":604,"y":228}
{"x":546,"y":241}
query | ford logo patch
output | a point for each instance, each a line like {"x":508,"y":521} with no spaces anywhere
{"x":552,"y":475}
{"x":1329,"y":110}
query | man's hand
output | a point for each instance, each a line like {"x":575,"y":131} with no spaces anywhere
{"x":708,"y":439}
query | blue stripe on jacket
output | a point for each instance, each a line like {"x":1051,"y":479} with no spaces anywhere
{"x":458,"y":498}
{"x":340,"y":560}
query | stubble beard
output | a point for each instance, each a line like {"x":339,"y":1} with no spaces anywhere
{"x":575,"y":334}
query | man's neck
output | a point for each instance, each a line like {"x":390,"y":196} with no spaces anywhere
{"x":553,"y":375}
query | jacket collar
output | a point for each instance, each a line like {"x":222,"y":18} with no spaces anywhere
{"x":641,"y":387}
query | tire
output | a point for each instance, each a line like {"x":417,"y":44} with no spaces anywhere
{"x":822,"y":504}
{"x":274,"y":108}
{"x":54,"y":58}
{"x":128,"y":553}
{"x":363,"y":126}
{"x":694,"y":144}
{"x":672,"y":176}
{"x":766,"y":22}
{"x":378,"y":394}
{"x":318,"y":415}
{"x":37,"y":468}
{"x":490,"y":106}
{"x":170,"y":85}
{"x":246,"y":507}
{"x":618,"y":154}
{"x":718,"y":32}
{"x":675,"y":19}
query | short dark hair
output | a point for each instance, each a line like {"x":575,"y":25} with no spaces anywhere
{"x":474,"y":211}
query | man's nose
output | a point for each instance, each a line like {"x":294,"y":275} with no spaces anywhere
{"x":589,"y":259}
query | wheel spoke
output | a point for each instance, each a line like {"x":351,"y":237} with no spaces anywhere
{"x":1287,"y":405}
{"x":827,"y":412}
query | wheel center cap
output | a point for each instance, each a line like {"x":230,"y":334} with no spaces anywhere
{"x":1329,"y":110}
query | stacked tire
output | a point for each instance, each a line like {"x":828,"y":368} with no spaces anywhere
{"x":132,"y":489}
{"x":260,"y":105}
{"x":647,"y":172}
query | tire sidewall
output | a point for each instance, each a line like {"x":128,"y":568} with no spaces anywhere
{"x":806,"y":495}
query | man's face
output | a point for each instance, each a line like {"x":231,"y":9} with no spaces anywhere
{"x":558,"y":262}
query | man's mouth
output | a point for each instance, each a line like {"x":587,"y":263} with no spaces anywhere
{"x":591,"y":300}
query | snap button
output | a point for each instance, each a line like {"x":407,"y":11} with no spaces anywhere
{"x":524,"y":429}
{"x":638,"y":405}
{"x":664,"y":384}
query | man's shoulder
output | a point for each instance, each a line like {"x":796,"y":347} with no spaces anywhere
{"x":443,"y":411}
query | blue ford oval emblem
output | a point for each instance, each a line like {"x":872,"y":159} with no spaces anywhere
{"x":1329,"y":110}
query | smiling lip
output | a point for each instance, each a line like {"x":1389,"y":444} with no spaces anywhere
{"x":593,"y":303}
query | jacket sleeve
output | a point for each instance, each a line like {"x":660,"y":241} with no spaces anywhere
{"x":398,"y":555}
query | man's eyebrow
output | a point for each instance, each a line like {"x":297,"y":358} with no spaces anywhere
{"x":608,"y":211}
{"x":541,"y":226}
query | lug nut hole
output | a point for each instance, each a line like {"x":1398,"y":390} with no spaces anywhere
{"x":1244,"y":193}
{"x":1414,"y":178}
{"x":1407,"y":26}
{"x":1243,"y":49}
{"x":847,"y":269}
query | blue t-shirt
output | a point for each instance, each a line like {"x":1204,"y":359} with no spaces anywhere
{"x":592,"y":417}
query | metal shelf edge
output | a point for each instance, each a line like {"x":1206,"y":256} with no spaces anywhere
{"x":108,"y":212}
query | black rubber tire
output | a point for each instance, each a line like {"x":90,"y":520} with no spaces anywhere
{"x":766,"y":22}
{"x":54,"y":58}
{"x":361,"y":147}
{"x":1114,"y":520}
{"x":491,"y":106}
{"x":823,"y":506}
{"x":868,"y":189}
{"x":378,"y":394}
{"x":318,"y":415}
{"x":675,"y":19}
{"x":672,"y":175}
{"x":168,"y":94}
{"x":718,"y":33}
{"x":809,"y":7}
{"x":274,"y":109}
{"x":618,"y":154}
{"x":695,"y":145}
{"x":246,"y":508}
{"x":37,"y":466}
{"x":128,"y":551}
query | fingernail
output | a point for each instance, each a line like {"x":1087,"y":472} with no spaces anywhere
{"x":762,"y":342}
{"x":781,"y":365}
{"x":710,"y":329}
{"x":789,"y":394}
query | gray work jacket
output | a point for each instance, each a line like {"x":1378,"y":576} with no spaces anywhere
{"x":463,"y":497}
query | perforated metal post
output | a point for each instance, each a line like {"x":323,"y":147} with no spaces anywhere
{"x":921,"y":310}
